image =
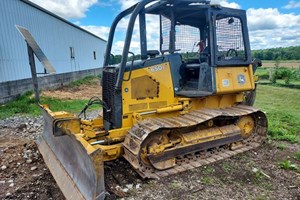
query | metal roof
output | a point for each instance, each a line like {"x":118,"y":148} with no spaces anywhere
{"x":60,"y":18}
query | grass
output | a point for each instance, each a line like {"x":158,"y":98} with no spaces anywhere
{"x":281,"y":146}
{"x":261,"y":198}
{"x":227,"y":167}
{"x":261,"y":179}
{"x":280,"y":82}
{"x":262,"y":72}
{"x":175,"y":184}
{"x":208,"y":170}
{"x":85,"y":81}
{"x":288,"y":165}
{"x":206,"y":180}
{"x":282,"y":109}
{"x":297,"y":155}
{"x":25,"y":104}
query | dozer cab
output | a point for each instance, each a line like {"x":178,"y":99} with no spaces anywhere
{"x":166,"y":110}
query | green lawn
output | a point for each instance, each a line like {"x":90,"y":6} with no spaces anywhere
{"x":281,"y":82}
{"x":25,"y":104}
{"x":282,"y":106}
{"x":262,"y":71}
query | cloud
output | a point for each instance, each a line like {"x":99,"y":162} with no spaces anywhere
{"x":225,"y":3}
{"x":270,"y":18}
{"x":77,"y":23}
{"x":70,"y":9}
{"x":292,"y":4}
{"x":269,"y":28}
{"x":274,"y":38}
{"x":152,"y":26}
{"x":127,"y":3}
{"x":101,"y":31}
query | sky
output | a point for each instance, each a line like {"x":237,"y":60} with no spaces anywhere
{"x":271,"y":23}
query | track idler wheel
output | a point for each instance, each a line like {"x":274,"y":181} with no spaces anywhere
{"x":247,"y":126}
{"x":154,"y":145}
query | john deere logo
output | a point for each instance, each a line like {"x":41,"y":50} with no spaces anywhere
{"x":241,"y":79}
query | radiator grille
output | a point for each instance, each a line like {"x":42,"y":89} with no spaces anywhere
{"x":109,"y":78}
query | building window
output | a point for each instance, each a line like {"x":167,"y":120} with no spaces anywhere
{"x":72,"y":52}
{"x":94,"y":53}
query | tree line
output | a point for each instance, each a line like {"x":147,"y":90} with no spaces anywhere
{"x":281,"y":53}
{"x":114,"y":59}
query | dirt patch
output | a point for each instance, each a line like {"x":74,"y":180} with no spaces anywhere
{"x":25,"y":175}
{"x":80,"y":92}
{"x":233,"y":178}
{"x":294,"y":65}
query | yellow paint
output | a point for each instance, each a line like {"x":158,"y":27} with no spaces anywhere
{"x":173,"y":106}
{"x":169,"y":109}
{"x":227,"y":79}
{"x":118,"y":133}
{"x":165,"y":104}
{"x":162,"y":76}
{"x":246,"y":124}
{"x":110,"y":152}
{"x":57,"y":115}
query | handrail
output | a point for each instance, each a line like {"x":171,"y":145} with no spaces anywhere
{"x":137,"y":8}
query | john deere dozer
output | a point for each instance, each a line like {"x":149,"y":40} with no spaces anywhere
{"x":183,"y":105}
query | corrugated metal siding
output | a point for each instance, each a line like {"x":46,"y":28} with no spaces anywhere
{"x":54,"y":36}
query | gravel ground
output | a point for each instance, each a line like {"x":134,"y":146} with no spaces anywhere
{"x":29,"y":127}
{"x":25,"y":127}
{"x":23,"y":174}
{"x":251,"y":175}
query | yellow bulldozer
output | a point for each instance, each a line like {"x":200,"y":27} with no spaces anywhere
{"x":167,"y":110}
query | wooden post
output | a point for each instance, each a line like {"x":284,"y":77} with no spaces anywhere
{"x":33,"y":73}
{"x":271,"y":74}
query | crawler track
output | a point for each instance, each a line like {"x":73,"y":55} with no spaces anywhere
{"x":144,"y":129}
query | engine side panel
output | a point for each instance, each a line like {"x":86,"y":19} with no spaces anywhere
{"x":149,"y":88}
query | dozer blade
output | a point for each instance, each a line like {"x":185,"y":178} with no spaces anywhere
{"x":78,"y":173}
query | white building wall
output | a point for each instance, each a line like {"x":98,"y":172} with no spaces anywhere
{"x":54,"y":36}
